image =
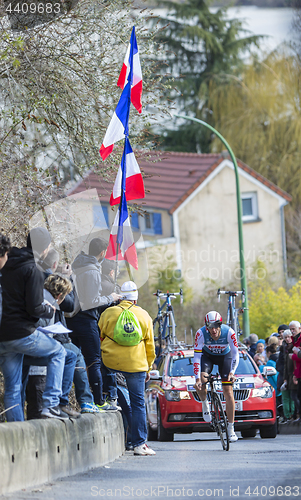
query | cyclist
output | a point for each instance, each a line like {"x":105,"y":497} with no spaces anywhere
{"x":216,"y":344}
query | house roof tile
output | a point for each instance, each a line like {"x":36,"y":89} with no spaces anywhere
{"x":170,"y":178}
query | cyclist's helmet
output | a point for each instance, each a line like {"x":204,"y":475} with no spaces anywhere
{"x":213,"y":319}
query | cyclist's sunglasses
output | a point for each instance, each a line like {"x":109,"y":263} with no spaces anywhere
{"x":215,"y":324}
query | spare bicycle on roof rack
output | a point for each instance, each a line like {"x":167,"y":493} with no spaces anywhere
{"x":164,"y":323}
{"x":233,"y":311}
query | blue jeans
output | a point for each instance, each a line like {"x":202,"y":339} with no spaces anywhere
{"x":11,"y":360}
{"x":136,"y":385}
{"x":109,"y":382}
{"x":85,"y":334}
{"x":68,"y":374}
{"x":81,"y":383}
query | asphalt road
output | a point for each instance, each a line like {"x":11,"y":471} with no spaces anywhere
{"x":191,"y":466}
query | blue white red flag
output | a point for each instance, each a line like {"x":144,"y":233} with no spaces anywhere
{"x":136,"y":91}
{"x":121,"y":238}
{"x":121,"y":243}
{"x":118,"y":126}
{"x":134,"y":186}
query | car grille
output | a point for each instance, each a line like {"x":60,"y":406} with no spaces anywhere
{"x":239,"y":395}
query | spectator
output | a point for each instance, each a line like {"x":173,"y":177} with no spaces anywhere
{"x":57,"y":285}
{"x":271,"y":352}
{"x":247,"y":342}
{"x":274,"y":351}
{"x":4,"y":249}
{"x":253,"y":339}
{"x":84,"y":324}
{"x":288,"y":388}
{"x":22,"y":285}
{"x":133,"y":361}
{"x":296,"y":357}
{"x":259,"y":357}
{"x":281,"y":329}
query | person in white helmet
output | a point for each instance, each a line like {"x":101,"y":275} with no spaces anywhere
{"x":127,"y":346}
{"x":216,"y":344}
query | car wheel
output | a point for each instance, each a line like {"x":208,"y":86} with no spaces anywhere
{"x":151,"y":433}
{"x":248,"y":433}
{"x":162,"y":433}
{"x":268,"y":431}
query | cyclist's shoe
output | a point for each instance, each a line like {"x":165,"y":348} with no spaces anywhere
{"x":143,"y":449}
{"x":231,"y":433}
{"x":206,"y":411}
{"x":90,"y":408}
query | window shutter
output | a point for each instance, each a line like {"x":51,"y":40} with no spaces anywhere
{"x":135,"y":221}
{"x":157,"y":223}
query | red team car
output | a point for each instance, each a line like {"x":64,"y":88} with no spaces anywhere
{"x":173,"y":405}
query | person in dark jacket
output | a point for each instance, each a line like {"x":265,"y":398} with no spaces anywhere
{"x":4,"y":249}
{"x":22,"y":285}
{"x":84,"y":324}
{"x":253,"y":339}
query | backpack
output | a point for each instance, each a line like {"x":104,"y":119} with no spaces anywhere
{"x":127,"y":331}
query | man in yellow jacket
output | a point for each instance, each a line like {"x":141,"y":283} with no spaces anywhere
{"x":133,"y":361}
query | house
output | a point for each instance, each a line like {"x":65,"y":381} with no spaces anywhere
{"x":191,"y":218}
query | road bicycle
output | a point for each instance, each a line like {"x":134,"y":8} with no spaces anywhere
{"x":219,"y":419}
{"x":164,"y":323}
{"x":233,"y":312}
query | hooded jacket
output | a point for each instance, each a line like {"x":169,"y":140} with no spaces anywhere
{"x":22,"y":295}
{"x":87,"y":272}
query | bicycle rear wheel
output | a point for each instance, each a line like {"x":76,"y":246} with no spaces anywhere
{"x":221,"y":421}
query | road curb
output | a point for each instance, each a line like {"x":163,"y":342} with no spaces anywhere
{"x":38,"y":451}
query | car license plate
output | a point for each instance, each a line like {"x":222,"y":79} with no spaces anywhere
{"x":238,"y":405}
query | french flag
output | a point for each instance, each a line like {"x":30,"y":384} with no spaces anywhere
{"x":118,"y":126}
{"x":134,"y":186}
{"x":122,"y":237}
{"x":134,"y":60}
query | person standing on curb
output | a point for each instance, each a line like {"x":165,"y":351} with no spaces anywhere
{"x":127,"y":345}
{"x":22,"y":285}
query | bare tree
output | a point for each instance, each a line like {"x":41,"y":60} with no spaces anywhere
{"x":57,"y":94}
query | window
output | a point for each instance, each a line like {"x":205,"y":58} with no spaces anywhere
{"x":150,"y":223}
{"x":249,"y":207}
{"x":100,"y":216}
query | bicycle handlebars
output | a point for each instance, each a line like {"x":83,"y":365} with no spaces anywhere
{"x":231,"y":294}
{"x":171,"y":295}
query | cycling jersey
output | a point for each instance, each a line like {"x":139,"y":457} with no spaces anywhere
{"x":204,"y":343}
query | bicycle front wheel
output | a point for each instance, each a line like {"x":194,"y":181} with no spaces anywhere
{"x":158,"y":332}
{"x":221,"y":421}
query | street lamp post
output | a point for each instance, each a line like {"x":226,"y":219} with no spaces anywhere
{"x":246,"y":327}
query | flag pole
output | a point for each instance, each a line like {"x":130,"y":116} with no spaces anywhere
{"x":126,"y":135}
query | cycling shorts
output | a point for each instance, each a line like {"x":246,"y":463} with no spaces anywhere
{"x":223,"y":363}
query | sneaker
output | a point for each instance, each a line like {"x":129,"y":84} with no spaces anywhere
{"x":232,"y":436}
{"x":113,"y":402}
{"x":72,"y":413}
{"x":107,"y":407}
{"x":54,"y":412}
{"x":206,"y":411}
{"x":143,"y":449}
{"x":90,"y":408}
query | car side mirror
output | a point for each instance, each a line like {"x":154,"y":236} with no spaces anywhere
{"x":155,"y":375}
{"x":269,"y":371}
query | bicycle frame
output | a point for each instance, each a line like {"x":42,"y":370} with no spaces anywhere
{"x":219,"y":420}
{"x":166,"y":319}
{"x":232,"y":312}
